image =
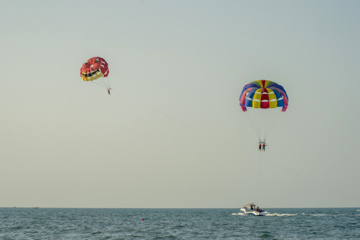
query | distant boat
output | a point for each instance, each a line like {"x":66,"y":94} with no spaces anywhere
{"x":251,"y":209}
{"x":35,"y":207}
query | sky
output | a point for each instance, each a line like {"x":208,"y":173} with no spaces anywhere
{"x":172,"y":134}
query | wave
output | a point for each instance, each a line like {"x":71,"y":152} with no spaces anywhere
{"x":291,"y":214}
{"x":269,"y":214}
{"x":281,"y":214}
{"x":318,"y":215}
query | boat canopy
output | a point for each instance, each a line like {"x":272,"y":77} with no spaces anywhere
{"x":249,"y":204}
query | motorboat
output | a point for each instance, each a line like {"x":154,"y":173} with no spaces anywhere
{"x":251,"y":209}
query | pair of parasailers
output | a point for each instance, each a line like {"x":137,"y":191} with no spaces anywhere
{"x":262,"y":144}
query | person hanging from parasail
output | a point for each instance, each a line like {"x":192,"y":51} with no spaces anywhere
{"x":263,"y":146}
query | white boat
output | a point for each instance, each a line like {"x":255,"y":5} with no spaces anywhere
{"x":251,"y":209}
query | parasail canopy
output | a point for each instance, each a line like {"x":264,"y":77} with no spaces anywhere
{"x":94,"y":68}
{"x":263,"y":94}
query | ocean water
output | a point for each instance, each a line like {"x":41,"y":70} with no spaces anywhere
{"x":52,"y":223}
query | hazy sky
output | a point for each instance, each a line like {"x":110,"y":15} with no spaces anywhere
{"x":172,"y":133}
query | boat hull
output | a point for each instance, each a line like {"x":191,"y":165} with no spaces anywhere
{"x":250,"y":212}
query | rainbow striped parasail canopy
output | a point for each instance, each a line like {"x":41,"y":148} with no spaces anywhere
{"x":263,"y":94}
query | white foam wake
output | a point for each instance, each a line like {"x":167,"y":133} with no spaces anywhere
{"x":269,"y":214}
{"x":280,"y":214}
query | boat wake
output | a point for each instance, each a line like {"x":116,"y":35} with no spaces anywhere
{"x":269,"y":214}
{"x":357,"y":214}
{"x":240,"y":214}
{"x":281,"y":214}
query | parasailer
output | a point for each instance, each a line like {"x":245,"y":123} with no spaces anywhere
{"x":96,"y":70}
{"x":262,"y":99}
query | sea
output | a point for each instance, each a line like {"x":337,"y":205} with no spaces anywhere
{"x":90,"y":223}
